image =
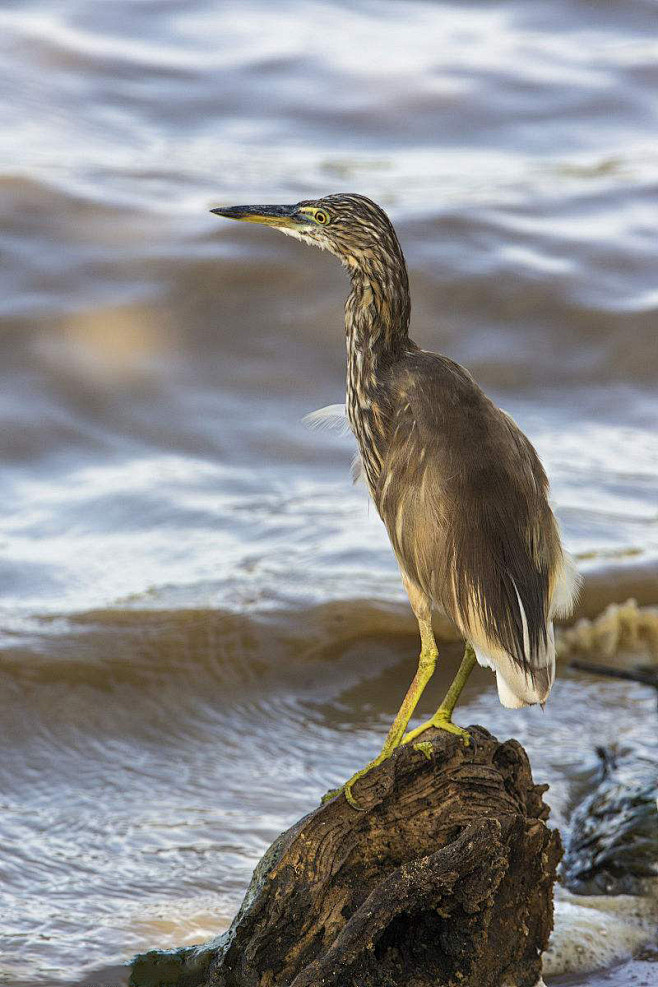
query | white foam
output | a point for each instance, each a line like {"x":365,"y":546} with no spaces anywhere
{"x":621,"y":628}
{"x":592,"y":933}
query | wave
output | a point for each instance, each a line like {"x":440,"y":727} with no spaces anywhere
{"x":189,"y":648}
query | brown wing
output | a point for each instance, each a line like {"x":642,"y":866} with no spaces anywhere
{"x":464,"y":498}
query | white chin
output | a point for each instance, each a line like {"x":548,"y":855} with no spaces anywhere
{"x":304,"y":237}
{"x":313,"y":239}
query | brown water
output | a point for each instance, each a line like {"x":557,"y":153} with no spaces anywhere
{"x":202,"y":625}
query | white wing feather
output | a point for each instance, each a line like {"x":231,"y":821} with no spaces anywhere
{"x":333,"y":416}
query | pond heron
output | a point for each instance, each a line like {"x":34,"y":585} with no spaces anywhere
{"x":459,"y":487}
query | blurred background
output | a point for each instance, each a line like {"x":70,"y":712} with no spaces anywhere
{"x":202,"y":626}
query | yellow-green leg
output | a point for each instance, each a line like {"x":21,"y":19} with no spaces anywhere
{"x":442,"y":719}
{"x":426,"y":666}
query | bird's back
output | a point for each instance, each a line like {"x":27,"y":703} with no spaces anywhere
{"x":460,"y":488}
{"x":465,"y":500}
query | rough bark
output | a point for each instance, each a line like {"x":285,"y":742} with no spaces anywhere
{"x":445,"y":879}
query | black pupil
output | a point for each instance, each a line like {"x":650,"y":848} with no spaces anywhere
{"x":321,"y":217}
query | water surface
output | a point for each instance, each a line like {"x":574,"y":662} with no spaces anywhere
{"x":202,"y":626}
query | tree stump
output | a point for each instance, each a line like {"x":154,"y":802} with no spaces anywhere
{"x":444,"y":880}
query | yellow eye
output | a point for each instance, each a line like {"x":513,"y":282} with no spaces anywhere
{"x":321,"y":217}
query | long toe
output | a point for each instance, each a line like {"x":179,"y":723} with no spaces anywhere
{"x":438,"y":722}
{"x":443,"y":723}
{"x":347,"y":787}
{"x":331,"y":794}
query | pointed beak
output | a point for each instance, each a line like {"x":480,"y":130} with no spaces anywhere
{"x":286,"y":216}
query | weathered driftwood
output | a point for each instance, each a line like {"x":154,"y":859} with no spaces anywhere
{"x":612,"y":843}
{"x":445,"y":879}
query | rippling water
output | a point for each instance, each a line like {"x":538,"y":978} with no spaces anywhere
{"x":201,"y":622}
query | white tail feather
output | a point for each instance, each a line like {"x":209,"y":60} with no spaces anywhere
{"x":515,"y":687}
{"x":507,"y":697}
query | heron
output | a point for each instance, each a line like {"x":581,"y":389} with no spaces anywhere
{"x":459,"y":487}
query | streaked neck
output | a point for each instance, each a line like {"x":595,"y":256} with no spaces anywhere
{"x":377,"y":335}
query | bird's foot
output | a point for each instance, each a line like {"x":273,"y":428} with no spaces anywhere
{"x":440,"y":721}
{"x":346,"y":789}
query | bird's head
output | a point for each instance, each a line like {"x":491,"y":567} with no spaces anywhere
{"x":353,"y":228}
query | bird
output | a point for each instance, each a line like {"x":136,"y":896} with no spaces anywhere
{"x":459,"y":487}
